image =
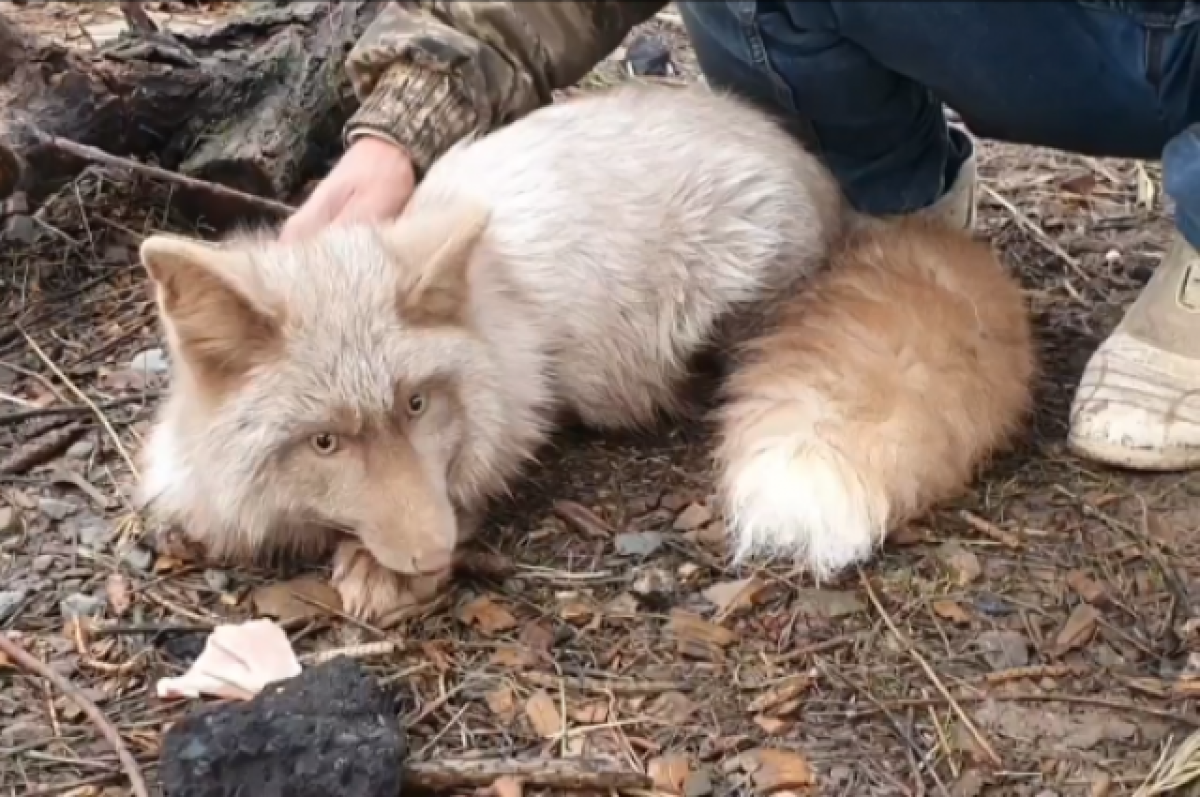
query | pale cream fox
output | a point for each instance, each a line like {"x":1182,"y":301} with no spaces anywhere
{"x":883,"y":387}
{"x":377,"y":385}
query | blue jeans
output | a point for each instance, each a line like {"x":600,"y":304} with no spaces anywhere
{"x":863,"y":83}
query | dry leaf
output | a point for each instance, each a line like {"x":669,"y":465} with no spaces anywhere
{"x":1078,"y":629}
{"x":668,"y":773}
{"x":952,"y":611}
{"x":285,"y":601}
{"x":590,"y":713}
{"x":776,"y":770}
{"x":674,"y":708}
{"x":688,"y":626}
{"x":116,"y":587}
{"x":1082,"y":184}
{"x":513,"y":657}
{"x":693,"y":518}
{"x":489,"y":616}
{"x":731,"y":596}
{"x":779,"y":695}
{"x":576,"y":612}
{"x":508,"y":786}
{"x":543,"y":715}
{"x":503,"y":703}
{"x":773,"y":726}
{"x":537,"y":636}
{"x":964,"y":563}
{"x":1086,"y":587}
{"x":167,"y":564}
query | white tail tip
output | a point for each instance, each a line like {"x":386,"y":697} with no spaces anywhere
{"x":804,"y":501}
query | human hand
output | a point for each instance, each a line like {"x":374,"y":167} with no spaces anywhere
{"x":373,"y":181}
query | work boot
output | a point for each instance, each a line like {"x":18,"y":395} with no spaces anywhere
{"x":1138,"y":402}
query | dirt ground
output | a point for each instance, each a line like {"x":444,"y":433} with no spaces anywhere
{"x":1032,"y":639}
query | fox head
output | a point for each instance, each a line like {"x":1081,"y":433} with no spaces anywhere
{"x":322,"y":388}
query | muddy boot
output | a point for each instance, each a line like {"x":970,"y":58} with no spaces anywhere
{"x":1138,"y":403}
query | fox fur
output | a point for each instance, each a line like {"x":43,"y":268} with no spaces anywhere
{"x":378,"y":384}
{"x":882,"y":388}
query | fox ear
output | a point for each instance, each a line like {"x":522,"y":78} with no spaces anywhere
{"x":204,"y":294}
{"x":439,"y":248}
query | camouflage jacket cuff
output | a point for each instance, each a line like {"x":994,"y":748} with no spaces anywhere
{"x":423,"y":111}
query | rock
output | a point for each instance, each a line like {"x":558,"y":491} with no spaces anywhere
{"x":10,"y":601}
{"x":217,"y":580}
{"x":828,"y":603}
{"x":693,"y":518}
{"x":698,"y":783}
{"x":638,"y":543}
{"x":81,"y":449}
{"x":649,"y":56}
{"x":964,"y":564}
{"x":139,"y":558}
{"x":92,"y":532}
{"x":654,"y":581}
{"x":20,"y":229}
{"x":80,"y":605}
{"x":149,"y":362}
{"x":329,"y":731}
{"x":1003,"y":650}
{"x":56,"y":508}
{"x":10,"y":521}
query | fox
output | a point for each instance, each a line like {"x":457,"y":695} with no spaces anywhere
{"x":367,"y":391}
{"x":879,"y":391}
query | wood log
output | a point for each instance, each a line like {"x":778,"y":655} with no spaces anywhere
{"x":256,"y":103}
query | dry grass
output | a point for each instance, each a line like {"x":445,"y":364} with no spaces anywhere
{"x":1032,"y":640}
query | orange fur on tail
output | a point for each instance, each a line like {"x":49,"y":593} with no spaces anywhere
{"x":882,"y":389}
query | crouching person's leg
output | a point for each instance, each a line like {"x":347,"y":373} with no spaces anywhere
{"x":1138,"y":403}
{"x":863,"y":83}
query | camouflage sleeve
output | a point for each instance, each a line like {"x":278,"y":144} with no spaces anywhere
{"x":430,"y":73}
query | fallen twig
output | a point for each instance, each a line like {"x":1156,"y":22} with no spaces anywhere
{"x":34,"y":665}
{"x":552,"y":774}
{"x":137,"y":19}
{"x":215,"y":189}
{"x":21,"y":416}
{"x":980,"y":739}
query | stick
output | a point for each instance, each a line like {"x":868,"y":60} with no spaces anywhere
{"x":931,"y":674}
{"x":552,"y":774}
{"x":34,"y":665}
{"x":215,"y":189}
{"x":137,"y":19}
{"x":39,"y":412}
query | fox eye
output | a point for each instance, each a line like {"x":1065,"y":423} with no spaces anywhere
{"x":416,"y":404}
{"x":324,"y":443}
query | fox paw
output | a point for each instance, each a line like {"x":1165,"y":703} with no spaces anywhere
{"x":370,"y":591}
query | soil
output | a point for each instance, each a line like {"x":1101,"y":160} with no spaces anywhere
{"x":1033,"y":638}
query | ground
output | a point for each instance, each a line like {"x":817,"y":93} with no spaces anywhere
{"x":1030,"y":639}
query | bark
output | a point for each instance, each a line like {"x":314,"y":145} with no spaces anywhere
{"x":256,"y":103}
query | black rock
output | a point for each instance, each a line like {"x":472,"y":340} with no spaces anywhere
{"x":649,"y":56}
{"x":328,"y":732}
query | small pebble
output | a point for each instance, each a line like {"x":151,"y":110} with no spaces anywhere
{"x":149,"y":362}
{"x":80,"y":605}
{"x":217,"y":580}
{"x":139,"y":558}
{"x":654,"y":581}
{"x":55,"y":508}
{"x":698,"y":783}
{"x":42,"y":563}
{"x":638,"y":543}
{"x":693,"y":518}
{"x":20,"y":229}
{"x":92,"y":532}
{"x":10,"y":601}
{"x":10,"y":521}
{"x":81,"y":449}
